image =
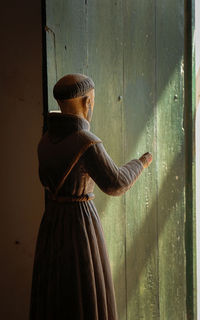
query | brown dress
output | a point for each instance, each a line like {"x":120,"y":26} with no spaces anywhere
{"x":71,"y":272}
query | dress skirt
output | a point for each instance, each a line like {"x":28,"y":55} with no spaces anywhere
{"x":71,"y":271}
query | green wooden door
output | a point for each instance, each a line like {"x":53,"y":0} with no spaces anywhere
{"x":134,"y":52}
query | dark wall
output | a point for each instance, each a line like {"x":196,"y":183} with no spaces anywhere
{"x":20,"y":130}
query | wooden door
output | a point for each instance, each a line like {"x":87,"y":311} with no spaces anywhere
{"x":134,"y":52}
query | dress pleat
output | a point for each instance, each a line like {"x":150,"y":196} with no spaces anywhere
{"x":70,"y":277}
{"x":97,"y":266}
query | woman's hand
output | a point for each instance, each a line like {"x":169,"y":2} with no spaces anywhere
{"x":146,"y":159}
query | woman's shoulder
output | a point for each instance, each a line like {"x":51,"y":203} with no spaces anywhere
{"x":89,"y":136}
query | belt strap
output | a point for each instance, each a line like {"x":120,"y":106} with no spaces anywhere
{"x":70,"y":167}
{"x":63,"y":199}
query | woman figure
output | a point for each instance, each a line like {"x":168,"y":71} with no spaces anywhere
{"x":71,"y":273}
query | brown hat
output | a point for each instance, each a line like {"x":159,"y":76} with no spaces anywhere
{"x":72,"y":86}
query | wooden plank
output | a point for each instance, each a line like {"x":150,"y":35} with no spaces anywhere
{"x":133,"y":49}
{"x":141,"y":200}
{"x":171,"y":163}
{"x":66,"y":41}
{"x":105,"y":66}
{"x":191,"y":102}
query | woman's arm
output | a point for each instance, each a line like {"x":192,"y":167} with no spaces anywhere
{"x":110,"y":179}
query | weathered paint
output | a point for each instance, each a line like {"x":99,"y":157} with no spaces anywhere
{"x":105,"y":66}
{"x":190,"y":181}
{"x":140,"y":136}
{"x":171,"y":159}
{"x":134,"y":52}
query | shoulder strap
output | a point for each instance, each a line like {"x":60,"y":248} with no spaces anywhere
{"x":73,"y":163}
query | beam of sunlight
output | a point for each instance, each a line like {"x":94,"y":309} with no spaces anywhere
{"x":141,"y":238}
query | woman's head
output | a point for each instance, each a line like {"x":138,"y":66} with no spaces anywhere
{"x":75,"y":95}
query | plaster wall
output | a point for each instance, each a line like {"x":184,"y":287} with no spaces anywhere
{"x":22,"y":202}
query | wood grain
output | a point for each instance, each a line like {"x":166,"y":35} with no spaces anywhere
{"x":133,"y":50}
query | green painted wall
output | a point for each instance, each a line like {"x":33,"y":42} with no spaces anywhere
{"x":134,"y":49}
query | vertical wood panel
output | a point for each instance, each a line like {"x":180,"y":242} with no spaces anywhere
{"x":191,"y":145}
{"x":171,"y":166}
{"x":105,"y":65}
{"x":141,"y":205}
{"x":66,"y":41}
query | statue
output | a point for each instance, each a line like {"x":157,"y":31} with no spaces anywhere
{"x":71,"y":274}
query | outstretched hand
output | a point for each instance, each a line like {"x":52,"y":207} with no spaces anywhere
{"x":146,"y":159}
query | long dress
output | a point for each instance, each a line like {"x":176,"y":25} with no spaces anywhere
{"x":71,"y":277}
